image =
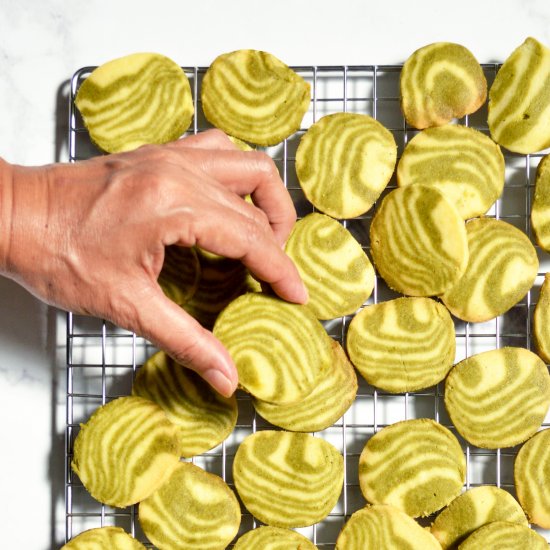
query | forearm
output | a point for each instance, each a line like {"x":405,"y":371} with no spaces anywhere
{"x":6,"y":199}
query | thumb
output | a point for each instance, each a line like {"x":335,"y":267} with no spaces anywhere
{"x":170,"y":328}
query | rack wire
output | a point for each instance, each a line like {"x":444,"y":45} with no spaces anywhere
{"x":102,"y":359}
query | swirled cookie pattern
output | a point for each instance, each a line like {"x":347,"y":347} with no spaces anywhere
{"x":288,"y":479}
{"x":502,"y":267}
{"x":343,"y":162}
{"x":473,"y":509}
{"x":193,"y":510}
{"x":532,"y":478}
{"x":103,"y":537}
{"x":334,"y":267}
{"x":464,"y":164}
{"x":519,"y":100}
{"x":383,"y":526}
{"x":498,"y":398}
{"x":280,"y":349}
{"x":541,"y":321}
{"x":415,"y":465}
{"x":125,"y":451}
{"x":504,"y":535}
{"x":418,"y":241}
{"x":540,"y":210}
{"x":273,"y":538}
{"x":204,"y":417}
{"x":402,"y":345}
{"x":135,"y":100}
{"x":439,"y":82}
{"x":180,"y":274}
{"x":254,"y":96}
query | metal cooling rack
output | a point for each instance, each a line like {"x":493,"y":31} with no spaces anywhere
{"x":102,"y":359}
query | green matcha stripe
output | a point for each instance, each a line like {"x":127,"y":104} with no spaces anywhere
{"x":402,"y":345}
{"x":519,"y":99}
{"x":192,"y":510}
{"x":532,"y":478}
{"x":273,"y":538}
{"x":504,"y":536}
{"x":502,"y":267}
{"x":540,"y":211}
{"x":204,"y":417}
{"x":382,"y":526}
{"x":103,"y":537}
{"x":498,"y":398}
{"x":288,"y":479}
{"x":280,"y":349}
{"x":541,"y":320}
{"x":462,"y":163}
{"x":415,"y":465}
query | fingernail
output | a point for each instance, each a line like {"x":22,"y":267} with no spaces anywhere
{"x":219,"y":382}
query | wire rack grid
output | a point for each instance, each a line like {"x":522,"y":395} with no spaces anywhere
{"x":102,"y":359}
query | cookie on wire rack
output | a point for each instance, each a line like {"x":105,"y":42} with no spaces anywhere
{"x":415,"y":465}
{"x":540,"y":209}
{"x":331,"y":397}
{"x":333,"y":265}
{"x":280,"y":349}
{"x":343,"y":162}
{"x":541,"y":321}
{"x":473,"y":509}
{"x":135,"y":100}
{"x":439,"y":82}
{"x":203,"y":416}
{"x":498,"y":398}
{"x":384,"y":526}
{"x":532,"y":480}
{"x":502,"y":268}
{"x":519,"y":100}
{"x":462,"y":163}
{"x":402,"y":345}
{"x":103,"y":537}
{"x":418,"y":241}
{"x":252,"y":95}
{"x":143,"y":450}
{"x":193,"y":510}
{"x":503,"y":534}
{"x":180,"y":273}
{"x":273,"y":538}
{"x":288,"y":479}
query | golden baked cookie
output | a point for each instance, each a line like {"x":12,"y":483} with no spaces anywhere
{"x":418,"y":241}
{"x":498,"y":398}
{"x":439,"y":82}
{"x":503,"y":534}
{"x":254,"y":96}
{"x":273,"y":538}
{"x":540,"y":209}
{"x":112,"y":538}
{"x":462,"y":163}
{"x":343,"y":162}
{"x":135,"y":100}
{"x":180,"y":274}
{"x":541,"y":321}
{"x":519,"y":100}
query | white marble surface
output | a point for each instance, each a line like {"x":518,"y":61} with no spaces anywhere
{"x":43,"y":43}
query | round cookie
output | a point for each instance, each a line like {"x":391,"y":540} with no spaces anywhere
{"x":103,"y":537}
{"x":440,"y":82}
{"x":540,"y":209}
{"x":254,"y":96}
{"x":126,"y":450}
{"x":541,"y":321}
{"x":192,"y":510}
{"x":415,"y":465}
{"x":532,"y":478}
{"x":280,"y":349}
{"x":331,"y":397}
{"x":343,"y":162}
{"x":383,"y":526}
{"x":502,"y":267}
{"x":273,"y":538}
{"x":472,"y":510}
{"x":502,"y":535}
{"x":135,"y":100}
{"x":180,"y":274}
{"x":418,"y":241}
{"x":498,"y":398}
{"x":402,"y":345}
{"x":462,"y":163}
{"x":333,"y":265}
{"x":288,"y":479}
{"x":203,"y":416}
{"x":519,"y":100}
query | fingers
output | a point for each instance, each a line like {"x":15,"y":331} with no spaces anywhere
{"x":171,"y":329}
{"x":211,"y":139}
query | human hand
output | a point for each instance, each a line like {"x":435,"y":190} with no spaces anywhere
{"x":89,"y":237}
